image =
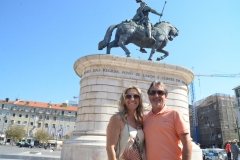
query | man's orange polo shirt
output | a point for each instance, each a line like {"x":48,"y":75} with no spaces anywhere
{"x":161,"y":134}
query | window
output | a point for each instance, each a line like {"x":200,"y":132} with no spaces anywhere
{"x":39,"y":125}
{"x":6,"y":121}
{"x":33,"y":116}
{"x":12,"y":121}
{"x":74,"y":128}
{"x":13,"y":114}
{"x":7,"y":114}
{"x":61,"y":119}
{"x":68,"y":127}
{"x":53,"y":125}
{"x":61,"y":126}
{"x":46,"y":125}
{"x":18,"y":122}
{"x":20,"y":115}
{"x":54,"y":118}
{"x":47,"y":117}
{"x":31,"y":123}
{"x":25,"y":123}
{"x":26,"y":116}
{"x":0,"y":112}
{"x":40,"y":116}
{"x":69,"y":113}
{"x":62,"y":113}
{"x":68,"y":119}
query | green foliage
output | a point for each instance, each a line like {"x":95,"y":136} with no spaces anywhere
{"x":15,"y":132}
{"x":42,"y":136}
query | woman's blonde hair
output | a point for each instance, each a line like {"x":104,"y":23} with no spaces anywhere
{"x":123,"y":108}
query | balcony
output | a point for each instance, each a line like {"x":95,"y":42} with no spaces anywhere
{"x":27,"y":109}
{"x":41,"y":111}
{"x":15,"y":108}
{"x":48,"y":112}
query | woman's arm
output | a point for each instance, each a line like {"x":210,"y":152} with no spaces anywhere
{"x":114,"y":128}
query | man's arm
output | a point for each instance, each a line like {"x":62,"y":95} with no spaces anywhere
{"x":155,"y":12}
{"x":187,"y":146}
{"x":147,"y":8}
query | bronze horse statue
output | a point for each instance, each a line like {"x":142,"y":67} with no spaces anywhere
{"x":130,"y":32}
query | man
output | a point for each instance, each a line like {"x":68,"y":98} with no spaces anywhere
{"x":141,"y":17}
{"x":166,"y":133}
{"x":228,"y":149}
{"x":235,"y":149}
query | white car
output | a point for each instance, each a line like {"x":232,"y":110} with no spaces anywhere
{"x":222,"y":155}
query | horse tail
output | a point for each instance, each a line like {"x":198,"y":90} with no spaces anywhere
{"x":107,"y":37}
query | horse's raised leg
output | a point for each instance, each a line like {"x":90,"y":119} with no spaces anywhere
{"x":156,"y":45}
{"x":166,"y":53}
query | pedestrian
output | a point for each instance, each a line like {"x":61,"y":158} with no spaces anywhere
{"x":228,"y":149}
{"x":125,"y":138}
{"x":234,"y":149}
{"x":165,"y":130}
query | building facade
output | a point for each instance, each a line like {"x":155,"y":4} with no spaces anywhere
{"x":237,"y":94}
{"x":57,"y":119}
{"x":217,"y":120}
{"x":237,"y":108}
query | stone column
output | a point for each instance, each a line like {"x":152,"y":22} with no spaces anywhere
{"x":103,"y":78}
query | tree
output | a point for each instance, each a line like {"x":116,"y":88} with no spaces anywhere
{"x":15,"y":132}
{"x":42,"y":136}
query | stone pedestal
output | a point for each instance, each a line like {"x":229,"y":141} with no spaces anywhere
{"x":103,"y":78}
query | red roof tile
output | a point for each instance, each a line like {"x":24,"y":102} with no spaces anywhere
{"x":40,"y":105}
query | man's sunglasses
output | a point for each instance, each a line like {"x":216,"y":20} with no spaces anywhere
{"x":153,"y":92}
{"x":129,"y":96}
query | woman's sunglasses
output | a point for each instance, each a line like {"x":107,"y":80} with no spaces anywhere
{"x":153,"y":92}
{"x":129,"y":96}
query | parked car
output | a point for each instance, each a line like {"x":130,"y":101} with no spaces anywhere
{"x":209,"y":156}
{"x":222,"y":155}
{"x":19,"y":143}
{"x":40,"y":145}
{"x":25,"y":144}
{"x":204,"y":153}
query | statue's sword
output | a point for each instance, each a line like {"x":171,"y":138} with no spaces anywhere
{"x":163,"y":10}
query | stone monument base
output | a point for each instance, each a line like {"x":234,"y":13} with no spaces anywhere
{"x":103,"y":78}
{"x":84,"y":148}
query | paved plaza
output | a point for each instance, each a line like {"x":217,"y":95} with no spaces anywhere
{"x":8,"y":152}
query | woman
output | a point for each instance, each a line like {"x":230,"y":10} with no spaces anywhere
{"x":228,"y":149}
{"x":125,"y":136}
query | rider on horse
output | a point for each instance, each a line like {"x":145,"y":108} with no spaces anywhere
{"x":141,"y":17}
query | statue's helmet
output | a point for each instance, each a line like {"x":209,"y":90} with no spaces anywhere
{"x":138,"y":1}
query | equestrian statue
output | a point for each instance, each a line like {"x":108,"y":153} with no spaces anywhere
{"x":140,"y":32}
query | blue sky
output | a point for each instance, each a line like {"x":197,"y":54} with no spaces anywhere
{"x":41,"y":40}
